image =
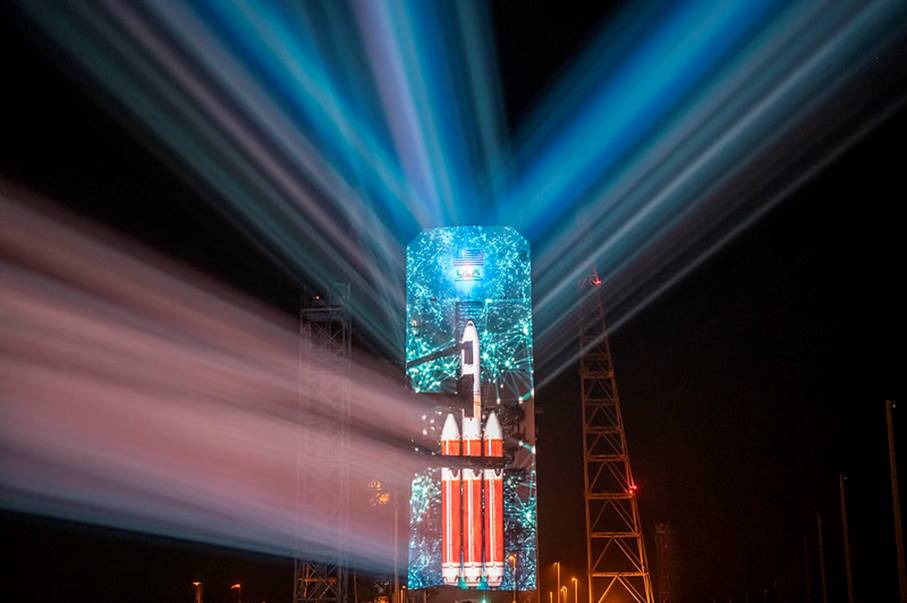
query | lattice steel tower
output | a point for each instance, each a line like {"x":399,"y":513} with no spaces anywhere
{"x":321,"y":574}
{"x":615,"y":549}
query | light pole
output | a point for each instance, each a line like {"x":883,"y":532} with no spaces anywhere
{"x":396,"y":546}
{"x":558,"y":565}
{"x":564,"y":593}
{"x":238,"y":588}
{"x":512,"y":559}
{"x":846,"y":533}
{"x":575,"y":590}
{"x":896,"y":502}
{"x":198,"y":591}
{"x":821,"y":558}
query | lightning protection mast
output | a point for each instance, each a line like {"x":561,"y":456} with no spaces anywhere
{"x":615,"y":549}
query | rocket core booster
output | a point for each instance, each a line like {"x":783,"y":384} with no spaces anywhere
{"x":472,"y":511}
{"x":472,"y":446}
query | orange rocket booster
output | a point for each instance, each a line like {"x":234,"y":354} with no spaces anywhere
{"x":494,"y":504}
{"x":451,"y":513}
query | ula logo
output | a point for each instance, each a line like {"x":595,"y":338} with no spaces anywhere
{"x":469,"y":265}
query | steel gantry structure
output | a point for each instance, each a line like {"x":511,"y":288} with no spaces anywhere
{"x":615,"y":548}
{"x":321,"y":574}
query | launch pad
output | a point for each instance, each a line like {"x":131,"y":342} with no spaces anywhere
{"x":473,"y":533}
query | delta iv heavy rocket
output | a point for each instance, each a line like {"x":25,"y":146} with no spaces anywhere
{"x":472,"y":498}
{"x":469,"y":352}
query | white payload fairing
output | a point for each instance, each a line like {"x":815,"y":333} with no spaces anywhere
{"x":469,"y":365}
{"x":472,"y":505}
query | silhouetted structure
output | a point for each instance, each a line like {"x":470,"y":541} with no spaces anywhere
{"x":666,"y":564}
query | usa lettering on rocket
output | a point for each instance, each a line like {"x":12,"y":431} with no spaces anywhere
{"x":472,"y":539}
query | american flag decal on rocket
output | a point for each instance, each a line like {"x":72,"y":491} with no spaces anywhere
{"x":469,"y":257}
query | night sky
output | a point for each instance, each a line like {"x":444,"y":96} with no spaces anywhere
{"x":746,"y":388}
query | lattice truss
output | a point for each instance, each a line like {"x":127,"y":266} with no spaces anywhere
{"x":323,"y":486}
{"x":614,"y":541}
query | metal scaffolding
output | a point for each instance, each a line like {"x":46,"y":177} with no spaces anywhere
{"x":615,"y":549}
{"x":666,"y":563}
{"x":321,"y":574}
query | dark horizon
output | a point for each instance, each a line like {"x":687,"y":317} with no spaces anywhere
{"x":746,"y":388}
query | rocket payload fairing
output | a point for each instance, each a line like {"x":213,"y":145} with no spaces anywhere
{"x":469,"y":365}
{"x":472,"y":511}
